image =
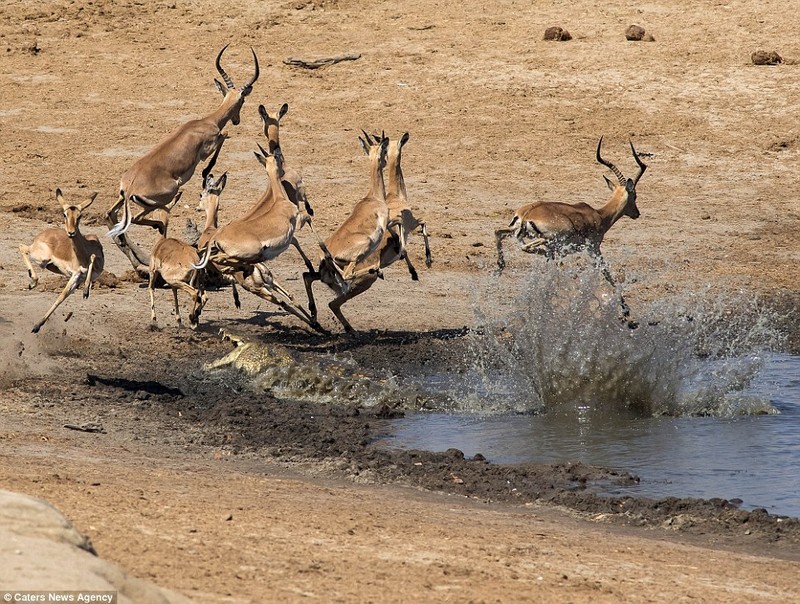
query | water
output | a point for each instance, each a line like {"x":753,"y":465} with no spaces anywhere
{"x":755,"y":458}
{"x":693,"y":401}
{"x":696,"y":401}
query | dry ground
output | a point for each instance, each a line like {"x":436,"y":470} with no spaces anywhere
{"x":497,"y":117}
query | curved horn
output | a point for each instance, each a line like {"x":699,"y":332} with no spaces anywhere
{"x":210,"y":166}
{"x":609,"y":165}
{"x":642,"y":165}
{"x":225,"y":76}
{"x":366,"y":136}
{"x":264,"y":153}
{"x":252,"y":80}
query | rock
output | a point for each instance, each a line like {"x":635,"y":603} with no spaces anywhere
{"x":558,"y":34}
{"x":762,"y":57}
{"x":636,"y":33}
{"x":40,"y":547}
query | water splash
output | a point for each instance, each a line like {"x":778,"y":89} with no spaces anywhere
{"x":560,"y":346}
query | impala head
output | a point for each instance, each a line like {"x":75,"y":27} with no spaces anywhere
{"x":72,"y":213}
{"x":234,"y":98}
{"x":212,"y":189}
{"x":273,"y":161}
{"x":272,"y":125}
{"x":624,"y":186}
{"x":375,"y":147}
{"x":395,"y":149}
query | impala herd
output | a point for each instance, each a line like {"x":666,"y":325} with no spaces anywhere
{"x":373,"y":237}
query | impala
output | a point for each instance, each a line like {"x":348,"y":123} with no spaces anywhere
{"x":67,"y":252}
{"x":209,"y":203}
{"x":554,"y":228}
{"x":350,"y":264}
{"x":155,"y":179}
{"x":292,"y":181}
{"x":174,"y":261}
{"x":394,"y":244}
{"x":240,"y":248}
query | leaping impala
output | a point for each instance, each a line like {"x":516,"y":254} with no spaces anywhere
{"x":292,"y":181}
{"x":240,"y":248}
{"x":352,"y":253}
{"x":174,"y":261}
{"x":394,"y":244}
{"x":67,"y":252}
{"x":155,"y":179}
{"x":556,"y":229}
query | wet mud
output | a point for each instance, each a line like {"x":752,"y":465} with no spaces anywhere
{"x":219,"y":408}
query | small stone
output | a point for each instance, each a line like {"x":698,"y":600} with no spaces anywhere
{"x":557,"y":34}
{"x":762,"y":57}
{"x":635,"y":33}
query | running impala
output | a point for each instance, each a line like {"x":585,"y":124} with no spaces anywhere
{"x":155,"y":179}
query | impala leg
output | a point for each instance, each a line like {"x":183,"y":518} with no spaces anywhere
{"x":87,"y":283}
{"x":398,"y":238}
{"x":500,"y":235}
{"x":236,"y":301}
{"x":536,"y":246}
{"x":70,"y":287}
{"x":337,"y":270}
{"x":25,"y":250}
{"x":177,"y":306}
{"x":194,"y":295}
{"x":359,"y":287}
{"x":428,"y":258}
{"x":200,"y":299}
{"x":308,"y":280}
{"x":411,"y":270}
{"x":606,"y":272}
{"x":151,"y":287}
{"x":257,"y":284}
{"x":296,"y":244}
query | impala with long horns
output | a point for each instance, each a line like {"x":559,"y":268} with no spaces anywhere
{"x":155,"y":179}
{"x":555,"y":228}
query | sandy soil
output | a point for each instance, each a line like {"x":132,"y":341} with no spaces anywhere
{"x":223,"y":496}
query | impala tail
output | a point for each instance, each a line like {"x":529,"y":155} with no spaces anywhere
{"x":204,"y":261}
{"x":122,"y":226}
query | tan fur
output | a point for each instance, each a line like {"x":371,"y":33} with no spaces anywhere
{"x":155,"y":179}
{"x":240,"y":248}
{"x":351,"y":260}
{"x":557,"y":228}
{"x":174,"y":260}
{"x":67,"y":252}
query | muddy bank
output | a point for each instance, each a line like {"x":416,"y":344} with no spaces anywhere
{"x":182,"y":402}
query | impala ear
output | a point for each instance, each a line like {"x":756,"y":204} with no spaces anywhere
{"x":60,"y":199}
{"x":261,"y":159}
{"x":403,"y":140}
{"x":262,"y":111}
{"x":220,"y":184}
{"x":92,"y":197}
{"x":282,"y":111}
{"x":220,"y":87}
{"x":364,"y":145}
{"x":630,"y":186}
{"x":610,"y":184}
